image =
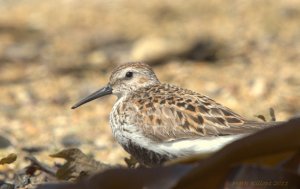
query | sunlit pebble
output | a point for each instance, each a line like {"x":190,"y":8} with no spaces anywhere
{"x":22,"y":96}
{"x":257,"y":87}
{"x":103,"y":142}
{"x":97,"y":58}
{"x":30,"y":129}
{"x":212,"y":89}
{"x":115,"y":155}
{"x":231,"y":100}
{"x":149,"y":48}
{"x":59,"y":131}
{"x":60,"y":99}
{"x":61,"y":120}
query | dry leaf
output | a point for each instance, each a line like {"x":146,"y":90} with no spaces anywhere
{"x":41,"y":166}
{"x":211,"y":172}
{"x":78,"y":164}
{"x":159,"y":177}
{"x":272,"y":114}
{"x":8,"y":159}
{"x":261,"y":117}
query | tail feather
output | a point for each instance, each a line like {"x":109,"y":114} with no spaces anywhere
{"x":248,"y":127}
{"x":262,"y":125}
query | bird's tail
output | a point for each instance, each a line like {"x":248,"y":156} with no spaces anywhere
{"x":264,"y":124}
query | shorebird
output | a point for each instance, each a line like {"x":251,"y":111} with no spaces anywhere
{"x":156,"y":122}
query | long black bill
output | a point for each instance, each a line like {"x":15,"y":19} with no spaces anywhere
{"x":102,"y":92}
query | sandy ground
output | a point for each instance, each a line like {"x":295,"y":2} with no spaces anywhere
{"x":245,"y":55}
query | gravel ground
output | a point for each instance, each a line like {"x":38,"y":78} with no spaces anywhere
{"x":244,"y":54}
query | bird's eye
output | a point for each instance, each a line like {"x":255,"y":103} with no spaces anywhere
{"x":129,"y":74}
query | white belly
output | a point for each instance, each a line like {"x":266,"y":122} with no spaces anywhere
{"x":199,"y":145}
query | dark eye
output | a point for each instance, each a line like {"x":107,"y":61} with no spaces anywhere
{"x":129,"y":74}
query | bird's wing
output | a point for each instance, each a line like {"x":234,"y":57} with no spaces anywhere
{"x":166,"y":113}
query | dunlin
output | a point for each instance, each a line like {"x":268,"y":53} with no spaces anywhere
{"x":155,"y":122}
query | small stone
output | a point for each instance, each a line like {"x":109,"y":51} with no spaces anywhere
{"x":34,"y":149}
{"x":154,"y":49}
{"x":71,"y":141}
{"x":97,"y":58}
{"x":6,"y":186}
{"x":4,"y":142}
{"x":23,"y":51}
{"x":258,"y":87}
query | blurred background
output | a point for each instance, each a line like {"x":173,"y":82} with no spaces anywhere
{"x":243,"y":54}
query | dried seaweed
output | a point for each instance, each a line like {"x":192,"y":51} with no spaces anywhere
{"x":264,"y":159}
{"x":8,"y":159}
{"x":78,"y":165}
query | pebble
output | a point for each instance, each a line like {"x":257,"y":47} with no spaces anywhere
{"x":71,"y":140}
{"x":4,"y":142}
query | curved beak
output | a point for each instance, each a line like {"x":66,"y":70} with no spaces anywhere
{"x":102,"y":92}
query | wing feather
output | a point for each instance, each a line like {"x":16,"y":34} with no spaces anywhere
{"x":166,"y":113}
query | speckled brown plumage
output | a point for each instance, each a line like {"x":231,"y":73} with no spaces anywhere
{"x":156,"y":122}
{"x":166,"y":112}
